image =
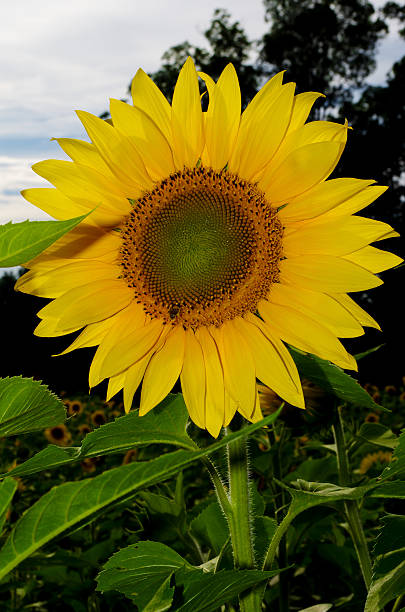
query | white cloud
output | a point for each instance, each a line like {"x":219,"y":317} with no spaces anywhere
{"x":15,"y":173}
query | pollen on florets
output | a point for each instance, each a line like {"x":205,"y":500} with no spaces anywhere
{"x":201,"y":248}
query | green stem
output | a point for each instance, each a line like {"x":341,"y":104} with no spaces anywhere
{"x":280,"y":504}
{"x":240,"y":518}
{"x":397,"y":603}
{"x":276,"y":539}
{"x":351,"y":507}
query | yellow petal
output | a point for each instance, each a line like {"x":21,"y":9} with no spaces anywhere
{"x":147,"y":138}
{"x":305,"y":334}
{"x":82,"y":243}
{"x":301,"y":170}
{"x":163,"y":370}
{"x":88,"y":303}
{"x":326,"y":274}
{"x":48,"y":328}
{"x":273,"y":363}
{"x":358,"y":313}
{"x":54,"y":283}
{"x":192,"y":379}
{"x":230,"y":408}
{"x":336,"y":236}
{"x":214,"y":377}
{"x":318,"y":306}
{"x":187,"y":119}
{"x":55,"y":203}
{"x":269,"y":91}
{"x":92,"y":335}
{"x":115,"y":385}
{"x":260,"y":138}
{"x":84,"y":153}
{"x":322,"y":198}
{"x":257,"y":414}
{"x":357,"y":202}
{"x":222,"y":118}
{"x":129,"y":348}
{"x":311,"y":133}
{"x":302,"y":106}
{"x":238,"y":366}
{"x":117,"y":152}
{"x":87,"y":187}
{"x":125,"y":323}
{"x":374,"y":260}
{"x":148,"y":97}
{"x":133,"y":378}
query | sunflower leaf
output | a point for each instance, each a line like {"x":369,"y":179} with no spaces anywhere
{"x":378,"y":434}
{"x":143,"y":572}
{"x":166,"y":424}
{"x":7,"y":490}
{"x":27,"y":405}
{"x":389,"y":569}
{"x":21,"y":242}
{"x":74,"y":503}
{"x":333,"y":380}
{"x":309,"y":494}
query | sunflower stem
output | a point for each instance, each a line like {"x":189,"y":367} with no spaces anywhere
{"x":240,"y":518}
{"x":351,"y":507}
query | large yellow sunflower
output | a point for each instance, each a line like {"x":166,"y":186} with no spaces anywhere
{"x":215,"y":238}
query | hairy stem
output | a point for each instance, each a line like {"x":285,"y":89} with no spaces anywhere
{"x":240,"y":518}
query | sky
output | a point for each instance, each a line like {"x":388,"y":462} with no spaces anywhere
{"x":58,"y":56}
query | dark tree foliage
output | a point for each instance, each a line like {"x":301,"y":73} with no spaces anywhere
{"x":324,"y":46}
{"x":226,"y":42}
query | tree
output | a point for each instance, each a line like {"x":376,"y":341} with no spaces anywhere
{"x":227,"y":42}
{"x":324,"y":46}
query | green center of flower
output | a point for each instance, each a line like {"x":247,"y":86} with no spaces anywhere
{"x":201,"y":247}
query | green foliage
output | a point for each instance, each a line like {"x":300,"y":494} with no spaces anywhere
{"x":332,"y":380}
{"x":164,"y":425}
{"x":26,"y":405}
{"x":75,"y":503}
{"x":21,"y":242}
{"x":389,"y":569}
{"x":7,"y":490}
{"x":143,"y":572}
{"x":397,"y":467}
{"x":378,"y":434}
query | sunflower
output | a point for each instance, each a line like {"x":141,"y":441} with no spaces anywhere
{"x":75,"y":407}
{"x":212,"y":239}
{"x":58,"y":434}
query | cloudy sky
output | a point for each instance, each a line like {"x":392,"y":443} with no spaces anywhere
{"x":59,"y":56}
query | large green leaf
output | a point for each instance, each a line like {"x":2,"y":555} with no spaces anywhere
{"x":21,"y":242}
{"x":7,"y":490}
{"x":26,"y":405}
{"x":309,"y":494}
{"x":208,"y":592}
{"x":74,"y":503}
{"x":332,"y":380}
{"x":389,"y":569}
{"x":143,"y":572}
{"x":166,"y":424}
{"x":211,"y":528}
